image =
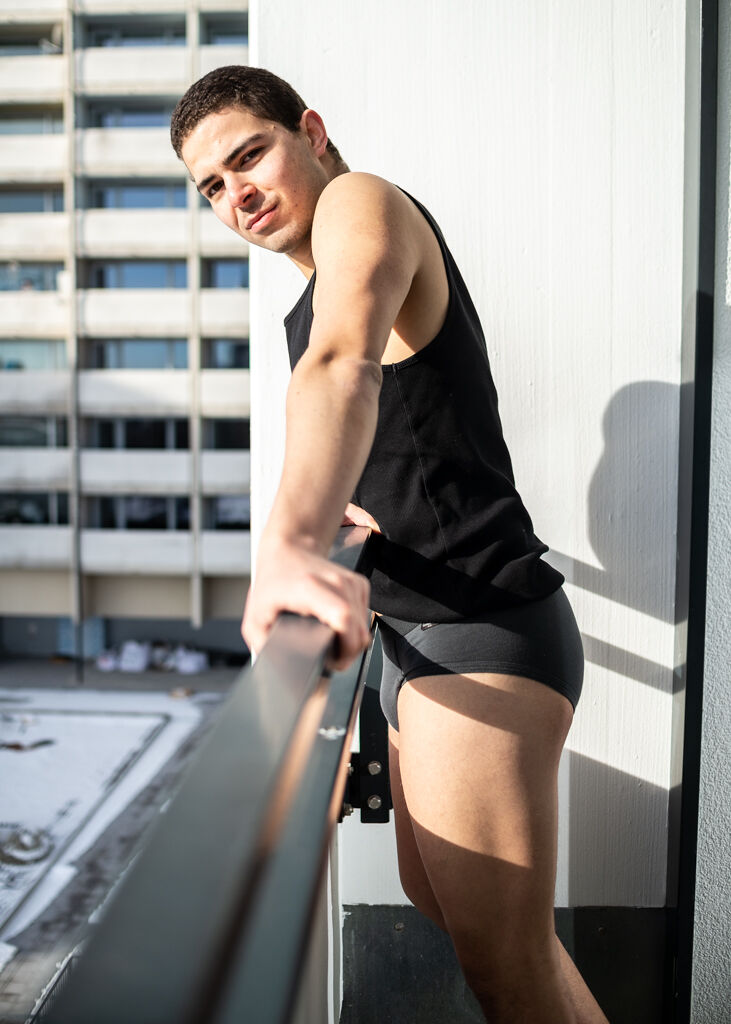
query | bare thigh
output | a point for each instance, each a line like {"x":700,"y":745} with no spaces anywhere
{"x":474,"y":778}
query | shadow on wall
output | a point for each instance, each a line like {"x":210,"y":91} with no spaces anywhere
{"x":628,"y":497}
{"x":629,"y":505}
{"x":608,"y":807}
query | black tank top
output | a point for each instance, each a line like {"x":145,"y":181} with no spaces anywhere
{"x":457,"y":539}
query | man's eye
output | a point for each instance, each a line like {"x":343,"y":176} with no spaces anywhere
{"x":213,"y":189}
{"x":250,"y":155}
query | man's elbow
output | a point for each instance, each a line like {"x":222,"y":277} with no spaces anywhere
{"x":352,"y":375}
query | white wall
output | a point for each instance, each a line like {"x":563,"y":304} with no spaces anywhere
{"x":711,"y":996}
{"x":547,"y":139}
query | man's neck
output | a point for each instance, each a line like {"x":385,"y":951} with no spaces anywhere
{"x":334,"y":168}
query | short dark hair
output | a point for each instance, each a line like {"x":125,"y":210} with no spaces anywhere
{"x":235,"y":85}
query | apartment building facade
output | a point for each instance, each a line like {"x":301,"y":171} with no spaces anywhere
{"x":124,"y":379}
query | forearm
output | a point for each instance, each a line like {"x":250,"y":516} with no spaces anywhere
{"x":332,"y":409}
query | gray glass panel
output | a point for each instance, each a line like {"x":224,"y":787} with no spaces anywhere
{"x":39,"y":277}
{"x":225,"y":273}
{"x":32,"y":355}
{"x":18,"y":200}
{"x":23,"y":432}
{"x":226,"y":353}
{"x":25,"y":509}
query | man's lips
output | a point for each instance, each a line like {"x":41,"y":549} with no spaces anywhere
{"x":260,"y":220}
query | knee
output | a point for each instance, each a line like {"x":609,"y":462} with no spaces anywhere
{"x":503,"y":967}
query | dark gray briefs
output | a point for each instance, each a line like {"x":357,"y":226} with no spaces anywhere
{"x":539,"y":640}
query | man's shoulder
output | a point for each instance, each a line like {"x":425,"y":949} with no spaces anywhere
{"x":358,"y":203}
{"x":353,"y":184}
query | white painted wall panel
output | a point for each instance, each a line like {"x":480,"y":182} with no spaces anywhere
{"x":547,"y":139}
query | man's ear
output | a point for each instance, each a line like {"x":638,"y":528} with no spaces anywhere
{"x":314,"y":128}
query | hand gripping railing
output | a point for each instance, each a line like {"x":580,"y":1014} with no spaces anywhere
{"x":210,"y":923}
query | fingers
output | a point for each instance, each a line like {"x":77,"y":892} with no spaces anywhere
{"x":330,"y":593}
{"x":354,"y":515}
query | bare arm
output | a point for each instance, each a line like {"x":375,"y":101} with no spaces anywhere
{"x":366,"y":258}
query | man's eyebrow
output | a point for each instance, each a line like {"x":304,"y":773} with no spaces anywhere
{"x":230,"y":158}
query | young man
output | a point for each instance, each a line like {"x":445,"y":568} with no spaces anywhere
{"x":392,"y":421}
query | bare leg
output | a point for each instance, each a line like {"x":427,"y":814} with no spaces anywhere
{"x":474,"y":789}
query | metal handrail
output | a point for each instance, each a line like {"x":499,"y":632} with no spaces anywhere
{"x":223,"y":890}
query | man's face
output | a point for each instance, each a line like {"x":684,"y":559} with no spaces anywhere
{"x":261,"y":180}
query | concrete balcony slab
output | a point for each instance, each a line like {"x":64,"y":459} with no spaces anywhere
{"x":132,"y":233}
{"x":35,"y":469}
{"x":225,"y":393}
{"x":132,"y":70}
{"x":226,"y":552}
{"x":33,"y":78}
{"x":137,"y":471}
{"x":33,"y":236}
{"x":224,"y":312}
{"x":29,"y":314}
{"x":133,"y":312}
{"x":125,"y":152}
{"x":225,"y":472}
{"x":32,"y":391}
{"x":134,"y":392}
{"x":35,"y":547}
{"x":31,"y":159}
{"x":145,"y":552}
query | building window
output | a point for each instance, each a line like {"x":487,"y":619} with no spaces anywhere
{"x":31,"y":120}
{"x":137,"y":354}
{"x":137,"y":512}
{"x":225,"y":273}
{"x":226,"y":434}
{"x":33,"y":432}
{"x":127,"y":114}
{"x":134,"y":274}
{"x":137,"y":432}
{"x":225,"y":29}
{"x":32,"y":354}
{"x":31,"y":200}
{"x":29,"y":277}
{"x":135,"y":195}
{"x":134,"y":31}
{"x":34,"y":509}
{"x":225,"y":353}
{"x":227,"y":512}
{"x":31,"y":40}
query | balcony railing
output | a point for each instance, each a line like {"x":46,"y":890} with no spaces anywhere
{"x":211,"y":923}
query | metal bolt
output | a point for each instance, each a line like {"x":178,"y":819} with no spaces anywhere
{"x":347,"y":809}
{"x":375,"y":767}
{"x":374,"y":802}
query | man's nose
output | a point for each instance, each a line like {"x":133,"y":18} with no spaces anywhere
{"x":239,"y":192}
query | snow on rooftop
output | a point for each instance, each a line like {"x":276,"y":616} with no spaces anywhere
{"x":70,"y":762}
